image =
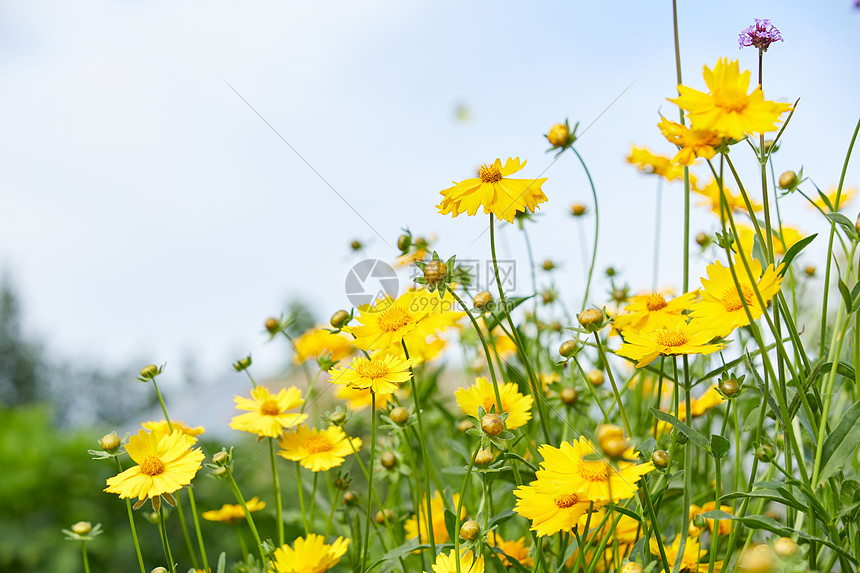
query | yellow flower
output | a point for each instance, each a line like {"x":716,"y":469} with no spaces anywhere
{"x":359,"y":399}
{"x":707,"y":401}
{"x":162,"y":428}
{"x":649,"y":163}
{"x":651,"y":310}
{"x":711,"y":194}
{"x":481,"y":393}
{"x":592,"y":477}
{"x":679,"y":337}
{"x":693,"y":143}
{"x":447,"y":563}
{"x":385,"y":323}
{"x":721,"y":309}
{"x":513,"y":549}
{"x":844,"y":199}
{"x":437,"y":508}
{"x":504,"y":344}
{"x":689,"y":560}
{"x":164,"y":464}
{"x":725,"y":525}
{"x":267,"y":413}
{"x":495,"y":192}
{"x":727,"y":109}
{"x":309,"y":554}
{"x":381,"y":374}
{"x":781,"y":241}
{"x":317,"y":450}
{"x":551,"y":505}
{"x":318,"y":341}
{"x":230,"y":513}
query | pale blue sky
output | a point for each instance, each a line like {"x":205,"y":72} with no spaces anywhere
{"x":147,"y":212}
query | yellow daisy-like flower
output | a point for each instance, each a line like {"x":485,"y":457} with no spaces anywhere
{"x":422,"y":348}
{"x":164,"y":464}
{"x":690,"y":560}
{"x":781,"y":240}
{"x":727,"y":109}
{"x":318,"y":341}
{"x":651,"y":310}
{"x":493,"y":191}
{"x":721,"y":309}
{"x":725,"y":525}
{"x":844,"y":199}
{"x":504,"y":344}
{"x":447,"y":563}
{"x":309,"y":554}
{"x":268,"y":413}
{"x":650,"y":163}
{"x":481,"y":393}
{"x":693,"y":143}
{"x":385,"y":323}
{"x":592,"y":477}
{"x":675,"y":338}
{"x":551,"y":505}
{"x":735,"y":202}
{"x":706,"y":402}
{"x":380,"y":373}
{"x":359,"y":399}
{"x":162,"y":428}
{"x":437,"y":508}
{"x":318,"y":450}
{"x":516,"y":550}
{"x":231,"y":513}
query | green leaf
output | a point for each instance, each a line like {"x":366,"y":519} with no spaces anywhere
{"x":502,"y":517}
{"x":719,"y":446}
{"x":222,"y":563}
{"x":846,"y":295}
{"x":768,"y":494}
{"x":493,"y":319}
{"x":843,"y":222}
{"x":397,"y":552}
{"x":692,"y":434}
{"x":717,"y":514}
{"x":795,"y":250}
{"x":841,"y":444}
{"x":751,"y":421}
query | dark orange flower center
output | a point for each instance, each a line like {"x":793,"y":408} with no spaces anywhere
{"x":372,"y":370}
{"x":270,"y":407}
{"x":393,"y":318}
{"x":594,"y":471}
{"x":152,"y":466}
{"x":656,"y":301}
{"x":490,"y":174}
{"x":671,"y":337}
{"x":732,"y":301}
{"x":318,"y":444}
{"x":565,"y":501}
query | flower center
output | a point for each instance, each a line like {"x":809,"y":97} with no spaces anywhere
{"x":656,"y":302}
{"x":372,"y":370}
{"x":152,"y":466}
{"x":670,"y":337}
{"x":732,"y":301}
{"x":392,"y":319}
{"x":730,"y":100}
{"x":270,"y":407}
{"x":565,"y":501}
{"x":318,"y":444}
{"x":593,"y":471}
{"x":490,"y":174}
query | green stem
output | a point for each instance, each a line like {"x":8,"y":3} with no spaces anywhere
{"x":84,"y":556}
{"x":369,"y":480}
{"x":460,"y":508}
{"x":301,"y":496}
{"x":237,"y":493}
{"x":133,"y":528}
{"x":162,"y":526}
{"x":276,"y":487}
{"x":596,"y":226}
{"x":614,"y":386}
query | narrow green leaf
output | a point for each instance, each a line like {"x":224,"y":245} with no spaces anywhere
{"x":769,"y":495}
{"x":692,"y":434}
{"x":846,"y":295}
{"x":493,"y":319}
{"x":222,"y":563}
{"x":719,"y":446}
{"x":795,"y":250}
{"x":841,"y":444}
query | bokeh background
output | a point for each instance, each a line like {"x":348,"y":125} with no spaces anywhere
{"x":149,"y":214}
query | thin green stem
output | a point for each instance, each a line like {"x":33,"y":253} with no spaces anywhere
{"x":605,"y":361}
{"x":85,"y":557}
{"x":164,"y":539}
{"x":237,"y":493}
{"x":276,"y":487}
{"x":369,"y":480}
{"x":301,"y":497}
{"x":596,"y":226}
{"x":133,"y":528}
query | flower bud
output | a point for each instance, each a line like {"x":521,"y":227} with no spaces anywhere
{"x":482,"y":299}
{"x":339,"y":319}
{"x":110,"y":443}
{"x":610,"y":272}
{"x":484,"y":457}
{"x":399,"y":415}
{"x":469,"y":530}
{"x":548,"y":296}
{"x":242,"y":364}
{"x":785,"y":547}
{"x":558,"y":135}
{"x":356,"y":245}
{"x":569,"y":396}
{"x":82,"y":527}
{"x":149,"y":371}
{"x":699,"y":521}
{"x":703,"y":239}
{"x":787,"y":180}
{"x":220,"y":472}
{"x":660,"y":459}
{"x":342,"y":482}
{"x":350,"y":498}
{"x":614,"y":447}
{"x":758,"y":559}
{"x":568,"y":348}
{"x":729,"y":387}
{"x":337,"y":418}
{"x":809,"y":270}
{"x":596,"y":377}
{"x":435,"y":272}
{"x":608,"y":431}
{"x":590,"y":317}
{"x":768,"y":145}
{"x":765,"y":453}
{"x":388,"y":460}
{"x":404,"y":242}
{"x":383,"y":516}
{"x":555,"y":326}
{"x":631,"y":568}
{"x":272,"y":324}
{"x":220,"y":458}
{"x":857,"y":225}
{"x":159,"y":570}
{"x":548,"y":265}
{"x":492,"y":424}
{"x":465,"y":425}
{"x":577,"y":209}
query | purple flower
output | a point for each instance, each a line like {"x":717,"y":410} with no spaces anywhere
{"x":761,"y":35}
